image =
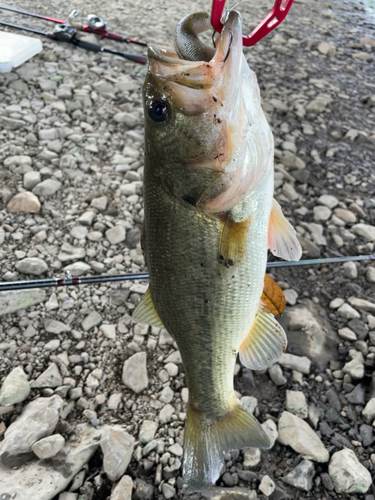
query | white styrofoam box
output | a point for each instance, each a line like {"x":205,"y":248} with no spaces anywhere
{"x":16,"y":49}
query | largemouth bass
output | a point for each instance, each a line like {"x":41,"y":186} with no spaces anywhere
{"x":209,"y":221}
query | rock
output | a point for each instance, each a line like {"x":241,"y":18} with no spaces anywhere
{"x":38,"y":419}
{"x":26,"y":482}
{"x":347,"y":334}
{"x":147,"y":431}
{"x":296,"y":433}
{"x":267,"y":486}
{"x":143,"y":490}
{"x":56,"y":327}
{"x":47,"y":188}
{"x":93,"y":319}
{"x":345,"y":215}
{"x":49,"y":378}
{"x":13,"y":301}
{"x":310,"y":333}
{"x":15,"y":388}
{"x":370,"y":274}
{"x":321,"y":213}
{"x":348,"y":312}
{"x":251,"y":457}
{"x":228,"y":494}
{"x":291,"y":297}
{"x":350,"y":270}
{"x":296,"y":403}
{"x":250,"y":403}
{"x":49,"y":446}
{"x":368,"y":411}
{"x":123,"y":489}
{"x":327,"y":481}
{"x":357,"y":396}
{"x":176,"y":450}
{"x":68,"y":252}
{"x":367,"y":435}
{"x":100,"y":203}
{"x":134,"y":373}
{"x":326,"y":48}
{"x":116,"y":234}
{"x":366,"y":231}
{"x":355,"y":367}
{"x":365,"y":305}
{"x":336,"y":303}
{"x":328,"y":200}
{"x":348,"y":474}
{"x":270,"y":429}
{"x":292,"y":362}
{"x":301,"y":476}
{"x":32,"y":265}
{"x":31,"y":179}
{"x":166,"y":413}
{"x":166,"y":395}
{"x":24,"y":202}
{"x":52,"y":303}
{"x":168,"y":491}
{"x":79,"y":232}
{"x":68,"y":495}
{"x":117,"y":447}
{"x":109,"y":331}
{"x":114,"y":400}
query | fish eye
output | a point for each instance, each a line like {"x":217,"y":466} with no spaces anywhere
{"x":158,"y":111}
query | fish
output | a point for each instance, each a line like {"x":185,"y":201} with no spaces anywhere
{"x":209,"y":220}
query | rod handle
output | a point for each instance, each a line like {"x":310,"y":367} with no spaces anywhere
{"x":87,"y":45}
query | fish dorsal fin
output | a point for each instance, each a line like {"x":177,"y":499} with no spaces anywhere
{"x":265,"y":342}
{"x":282,"y":238}
{"x":273,"y":298}
{"x":145,"y":312}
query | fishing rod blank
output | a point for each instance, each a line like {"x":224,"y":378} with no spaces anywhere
{"x":95,"y":25}
{"x":66,"y":33}
{"x":68,"y":280}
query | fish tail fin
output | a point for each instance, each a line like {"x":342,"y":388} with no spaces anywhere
{"x":206,"y":441}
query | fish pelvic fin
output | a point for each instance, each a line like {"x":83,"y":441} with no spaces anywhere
{"x":265,"y":342}
{"x":282,"y":238}
{"x":145,"y":312}
{"x":233,"y":241}
{"x":206,"y":441}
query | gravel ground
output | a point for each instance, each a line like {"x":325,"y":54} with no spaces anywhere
{"x":106,"y":407}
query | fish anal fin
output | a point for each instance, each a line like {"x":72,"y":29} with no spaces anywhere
{"x":145,"y":312}
{"x":265,"y":342}
{"x":233,"y":241}
{"x":206,"y":442}
{"x":282,"y":238}
{"x":273,"y":298}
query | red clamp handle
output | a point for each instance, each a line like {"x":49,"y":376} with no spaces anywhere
{"x":274,"y":18}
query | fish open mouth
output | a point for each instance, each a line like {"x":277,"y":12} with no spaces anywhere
{"x":225,"y":59}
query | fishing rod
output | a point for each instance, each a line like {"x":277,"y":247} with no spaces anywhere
{"x":68,"y":279}
{"x":95,"y":24}
{"x":66,"y":33}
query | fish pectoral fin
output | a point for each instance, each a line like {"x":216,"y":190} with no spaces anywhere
{"x":273,"y":298}
{"x":145,"y":312}
{"x":282,"y":238}
{"x":206,"y":441}
{"x":233,"y":241}
{"x":265,"y":342}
